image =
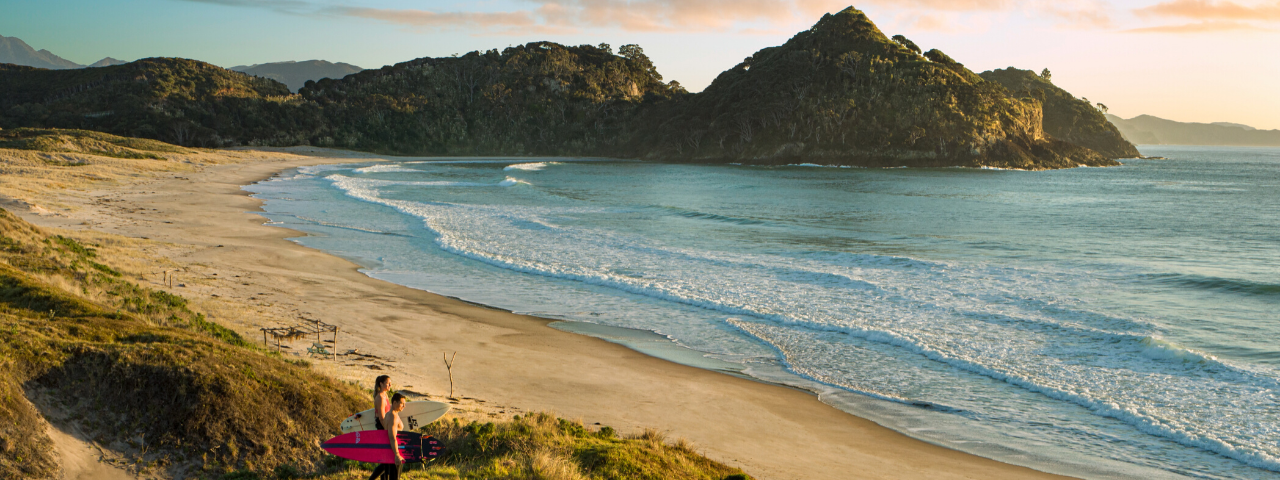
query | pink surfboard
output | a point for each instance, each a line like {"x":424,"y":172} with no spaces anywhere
{"x":372,"y":446}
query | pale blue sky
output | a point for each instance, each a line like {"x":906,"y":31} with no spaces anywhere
{"x":1189,"y":61}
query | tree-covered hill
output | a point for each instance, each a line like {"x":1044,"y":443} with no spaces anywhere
{"x":1066,"y":117}
{"x":540,"y":98}
{"x":843,"y":92}
{"x":185,"y":102}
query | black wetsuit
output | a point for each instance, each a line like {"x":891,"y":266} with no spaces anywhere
{"x":388,"y":471}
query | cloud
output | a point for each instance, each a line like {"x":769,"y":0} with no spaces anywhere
{"x":1204,"y":10}
{"x":1090,"y":15}
{"x":424,"y":19}
{"x":1211,"y":17}
{"x":286,"y":6}
{"x":1203,"y":27}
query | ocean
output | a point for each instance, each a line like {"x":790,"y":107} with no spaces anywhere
{"x":1099,"y":322}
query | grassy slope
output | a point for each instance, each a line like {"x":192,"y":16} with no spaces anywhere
{"x":51,"y":140}
{"x":138,"y":367}
{"x":542,"y":446}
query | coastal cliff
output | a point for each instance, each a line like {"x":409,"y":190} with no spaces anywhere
{"x":1067,"y":118}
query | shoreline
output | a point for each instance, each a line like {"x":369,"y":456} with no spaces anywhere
{"x":507,"y":358}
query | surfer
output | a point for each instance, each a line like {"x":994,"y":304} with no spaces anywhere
{"x":381,"y":407}
{"x":392,"y":471}
{"x":381,"y":386}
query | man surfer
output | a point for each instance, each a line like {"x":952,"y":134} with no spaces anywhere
{"x":392,"y":419}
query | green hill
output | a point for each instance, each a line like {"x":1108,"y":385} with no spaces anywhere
{"x":843,"y":92}
{"x":540,"y":98}
{"x":1066,"y":117}
{"x":184,"y":102}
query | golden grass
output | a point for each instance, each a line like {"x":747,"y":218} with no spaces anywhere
{"x":542,"y":446}
{"x":144,"y":373}
{"x":34,"y":162}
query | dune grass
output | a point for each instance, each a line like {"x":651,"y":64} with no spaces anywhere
{"x":53,"y":140}
{"x":542,"y":446}
{"x":143,"y":373}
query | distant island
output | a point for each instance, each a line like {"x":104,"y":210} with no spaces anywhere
{"x":1149,"y":130}
{"x":293,"y":74}
{"x":839,"y":93}
{"x":296,"y":74}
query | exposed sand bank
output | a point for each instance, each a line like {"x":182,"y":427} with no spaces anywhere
{"x":226,"y":259}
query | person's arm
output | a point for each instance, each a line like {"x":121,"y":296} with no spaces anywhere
{"x":390,"y":422}
{"x":377,"y":406}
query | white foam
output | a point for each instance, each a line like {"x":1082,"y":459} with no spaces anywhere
{"x":530,"y":167}
{"x":384,"y":168}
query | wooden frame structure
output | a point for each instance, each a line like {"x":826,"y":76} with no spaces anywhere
{"x":307,"y":328}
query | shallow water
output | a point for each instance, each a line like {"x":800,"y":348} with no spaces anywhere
{"x":1094,"y":321}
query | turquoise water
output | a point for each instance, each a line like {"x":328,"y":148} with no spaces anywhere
{"x":1101,"y":322}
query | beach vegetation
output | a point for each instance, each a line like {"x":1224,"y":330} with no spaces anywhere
{"x":541,"y":445}
{"x":136,"y":369}
{"x":84,"y":141}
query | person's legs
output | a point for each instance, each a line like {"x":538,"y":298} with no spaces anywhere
{"x":383,"y":470}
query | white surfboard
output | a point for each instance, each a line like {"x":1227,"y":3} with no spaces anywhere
{"x":415,"y":415}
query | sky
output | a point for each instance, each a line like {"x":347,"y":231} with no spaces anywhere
{"x":1184,"y":60}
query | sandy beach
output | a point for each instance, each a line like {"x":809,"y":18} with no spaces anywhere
{"x":226,"y":260}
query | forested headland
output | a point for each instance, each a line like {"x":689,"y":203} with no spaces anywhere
{"x":841,"y":92}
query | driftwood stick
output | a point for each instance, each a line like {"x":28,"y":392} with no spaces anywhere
{"x":448,"y":365}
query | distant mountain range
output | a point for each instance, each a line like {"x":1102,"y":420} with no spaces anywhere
{"x":293,"y":74}
{"x":14,"y":50}
{"x":107,"y":62}
{"x":1149,"y":130}
{"x":296,"y":74}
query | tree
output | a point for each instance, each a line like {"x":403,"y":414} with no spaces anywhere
{"x":636,"y":54}
{"x":607,"y":48}
{"x":632,"y":51}
{"x":937,"y":56}
{"x":1048,"y":77}
{"x":1102,"y":107}
{"x":907,"y":43}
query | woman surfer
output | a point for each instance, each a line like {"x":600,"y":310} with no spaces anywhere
{"x":381,"y":407}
